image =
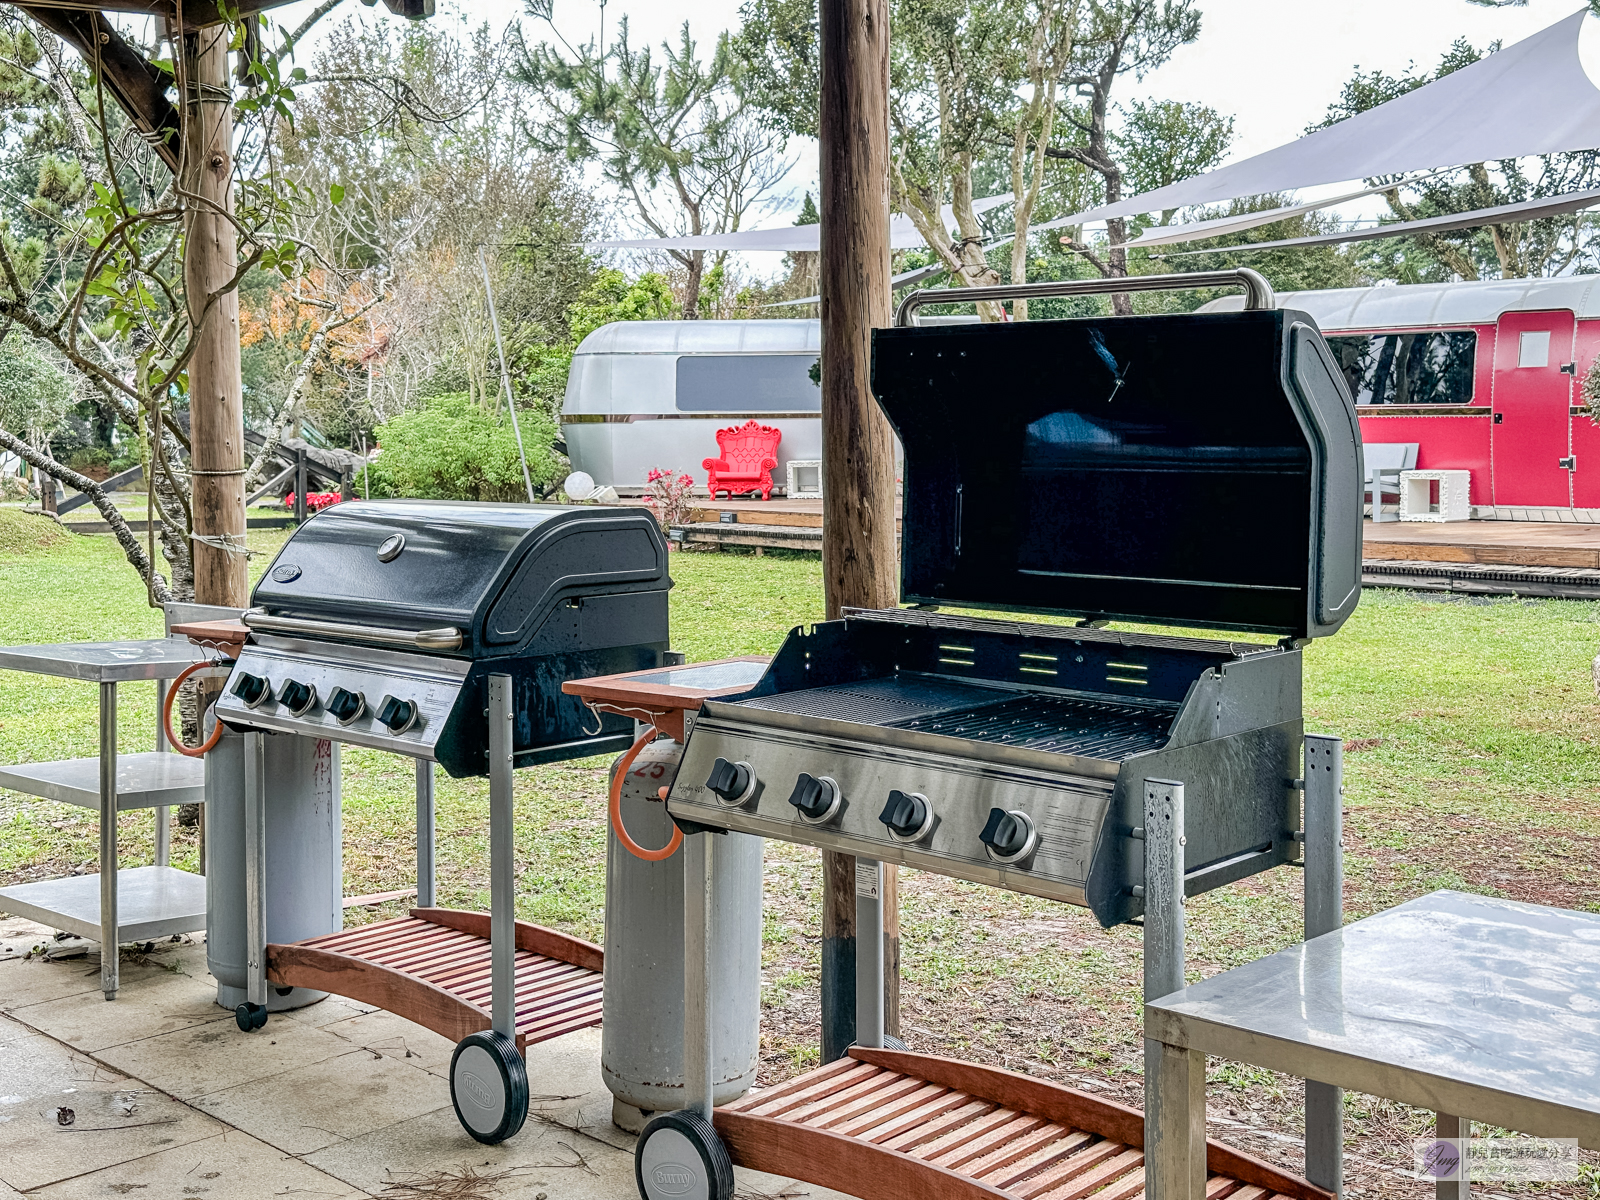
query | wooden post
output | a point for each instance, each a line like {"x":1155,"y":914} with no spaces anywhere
{"x":858,"y":538}
{"x":216,"y":402}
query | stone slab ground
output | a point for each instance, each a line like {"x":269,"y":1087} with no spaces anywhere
{"x":171,"y":1102}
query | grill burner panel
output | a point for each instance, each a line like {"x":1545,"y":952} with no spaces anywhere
{"x":1059,"y":724}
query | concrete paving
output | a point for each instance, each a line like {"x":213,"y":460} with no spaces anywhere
{"x":169,"y":1100}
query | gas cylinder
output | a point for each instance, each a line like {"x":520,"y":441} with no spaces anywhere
{"x":305,"y":858}
{"x":641,"y":1037}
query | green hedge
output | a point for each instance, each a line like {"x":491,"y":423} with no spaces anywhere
{"x":455,"y":450}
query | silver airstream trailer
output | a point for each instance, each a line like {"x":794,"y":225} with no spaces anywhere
{"x":645,"y":394}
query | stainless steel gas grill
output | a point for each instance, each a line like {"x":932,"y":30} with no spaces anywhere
{"x":443,"y":632}
{"x":1171,"y":470}
{"x":1174,"y":470}
{"x":379,"y":623}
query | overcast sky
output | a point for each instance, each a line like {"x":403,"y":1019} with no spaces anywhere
{"x":1273,"y":65}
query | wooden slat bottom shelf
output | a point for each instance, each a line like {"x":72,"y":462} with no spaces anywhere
{"x":433,"y":967}
{"x":888,"y":1123}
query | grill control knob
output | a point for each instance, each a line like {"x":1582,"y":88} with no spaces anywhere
{"x":252,"y":690}
{"x":733,"y":782}
{"x":1009,"y":835}
{"x":908,"y":815}
{"x":346,"y":706}
{"x":297,"y":697}
{"x":398,"y":715}
{"x":816,"y":797}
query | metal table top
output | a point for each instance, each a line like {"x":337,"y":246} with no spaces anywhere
{"x":106,"y":662}
{"x":1484,"y":1008}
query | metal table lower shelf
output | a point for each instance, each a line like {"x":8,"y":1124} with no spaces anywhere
{"x":161,"y":900}
{"x":148,"y":780}
{"x":152,"y":902}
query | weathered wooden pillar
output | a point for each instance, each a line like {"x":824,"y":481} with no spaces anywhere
{"x":858,"y":534}
{"x":216,"y":402}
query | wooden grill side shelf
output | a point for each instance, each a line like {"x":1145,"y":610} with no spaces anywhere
{"x":433,"y":967}
{"x":886,"y":1122}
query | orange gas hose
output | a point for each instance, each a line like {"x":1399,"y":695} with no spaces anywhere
{"x":631,"y":846}
{"x":166,"y":716}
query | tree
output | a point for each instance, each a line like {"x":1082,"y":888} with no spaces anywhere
{"x":1121,"y":37}
{"x":420,"y":135}
{"x":676,"y":135}
{"x":1520,"y":249}
{"x":92,"y":266}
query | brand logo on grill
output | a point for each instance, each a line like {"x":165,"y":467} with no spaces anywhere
{"x":479,"y":1092}
{"x":287,"y":573}
{"x":672,"y":1179}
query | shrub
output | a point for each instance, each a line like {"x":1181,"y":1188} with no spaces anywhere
{"x":456,"y":450}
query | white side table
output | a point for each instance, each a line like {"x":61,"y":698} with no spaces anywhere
{"x":1416,"y":496}
{"x":805,"y":479}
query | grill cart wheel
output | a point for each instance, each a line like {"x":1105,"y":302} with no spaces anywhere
{"x":250,"y":1017}
{"x":680,"y":1157}
{"x":489,"y":1086}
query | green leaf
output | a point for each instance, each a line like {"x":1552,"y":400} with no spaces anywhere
{"x":336,"y":193}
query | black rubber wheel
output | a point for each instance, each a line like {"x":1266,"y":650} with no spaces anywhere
{"x":250,"y":1017}
{"x":680,"y":1157}
{"x":489,"y":1086}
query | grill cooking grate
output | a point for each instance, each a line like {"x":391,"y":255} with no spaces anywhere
{"x":1059,"y":724}
{"x":875,"y":701}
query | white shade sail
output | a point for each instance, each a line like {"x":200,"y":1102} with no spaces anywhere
{"x":1528,"y":210}
{"x":1166,"y":235}
{"x":903,"y":235}
{"x":1531,"y":98}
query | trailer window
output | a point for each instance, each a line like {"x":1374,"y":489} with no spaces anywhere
{"x":1408,"y":368}
{"x":738,"y":383}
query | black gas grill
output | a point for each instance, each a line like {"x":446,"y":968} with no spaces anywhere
{"x":380,"y":621}
{"x":1189,"y":470}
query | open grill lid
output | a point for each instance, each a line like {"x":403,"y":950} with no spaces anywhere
{"x":1193,"y":469}
{"x":380,"y":571}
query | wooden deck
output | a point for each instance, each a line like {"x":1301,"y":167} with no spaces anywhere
{"x":1530,"y":558}
{"x":1497,"y":543}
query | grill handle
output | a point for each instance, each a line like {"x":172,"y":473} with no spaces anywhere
{"x":1257,"y":291}
{"x":447,"y":638}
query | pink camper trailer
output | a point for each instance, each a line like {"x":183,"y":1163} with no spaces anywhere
{"x":1484,"y":377}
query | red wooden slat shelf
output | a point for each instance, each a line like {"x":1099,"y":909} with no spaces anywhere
{"x":891,"y":1123}
{"x":433,"y":967}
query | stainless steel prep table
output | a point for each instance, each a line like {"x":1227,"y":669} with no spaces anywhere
{"x":154,"y":901}
{"x":1476,"y":1008}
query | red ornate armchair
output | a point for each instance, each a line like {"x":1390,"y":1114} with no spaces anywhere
{"x":749,"y":452}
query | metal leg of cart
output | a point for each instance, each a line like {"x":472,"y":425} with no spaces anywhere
{"x":488,"y":1078}
{"x":424,"y":833}
{"x":109,"y":976}
{"x":252,"y":1014}
{"x":679,"y":1155}
{"x":163,"y":813}
{"x":1324,"y":883}
{"x":1174,"y":1078}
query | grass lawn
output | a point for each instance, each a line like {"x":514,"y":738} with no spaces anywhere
{"x":1470,"y":727}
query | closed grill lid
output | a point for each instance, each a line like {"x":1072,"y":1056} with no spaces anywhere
{"x":491,"y":570}
{"x":1191,"y":469}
